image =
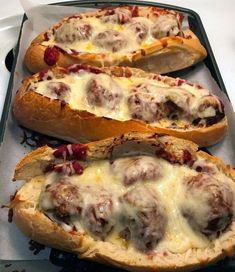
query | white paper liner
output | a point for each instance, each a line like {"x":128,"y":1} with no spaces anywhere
{"x":14,"y":243}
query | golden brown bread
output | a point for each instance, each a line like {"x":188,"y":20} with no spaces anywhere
{"x":169,"y":53}
{"x":42,"y":229}
{"x":55,"y":118}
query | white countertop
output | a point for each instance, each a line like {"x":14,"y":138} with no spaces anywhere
{"x":218,"y":18}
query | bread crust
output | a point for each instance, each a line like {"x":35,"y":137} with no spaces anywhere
{"x":39,"y":227}
{"x":162,"y":56}
{"x":52,"y":118}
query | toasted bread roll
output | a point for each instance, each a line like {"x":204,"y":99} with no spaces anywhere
{"x":180,"y":219}
{"x":84,"y":103}
{"x":144,"y":37}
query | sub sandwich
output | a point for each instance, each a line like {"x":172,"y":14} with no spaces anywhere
{"x":144,"y":37}
{"x":85,"y":103}
{"x":142,"y":202}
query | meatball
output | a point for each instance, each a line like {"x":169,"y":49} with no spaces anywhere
{"x":110,"y":40}
{"x":165,"y":25}
{"x":151,"y":103}
{"x":103,"y":91}
{"x":93,"y":206}
{"x":63,"y":198}
{"x":59,"y":90}
{"x":121,"y":16}
{"x":208,"y":204}
{"x":97,"y":215}
{"x":144,"y":217}
{"x":146,"y":103}
{"x":145,"y":108}
{"x":132,"y":170}
{"x":72,"y":31}
{"x":140,"y":29}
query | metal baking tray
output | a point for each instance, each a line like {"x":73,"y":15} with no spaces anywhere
{"x":67,"y":261}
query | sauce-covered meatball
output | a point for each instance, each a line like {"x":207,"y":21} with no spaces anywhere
{"x":72,"y":31}
{"x":208,"y":204}
{"x":151,"y":103}
{"x":121,"y":16}
{"x":146,"y":104}
{"x":138,"y":168}
{"x":165,"y":25}
{"x":59,"y":90}
{"x":62,"y":197}
{"x":103,"y":91}
{"x":98,"y":212}
{"x":110,"y":40}
{"x":92,"y":206}
{"x":140,"y":30}
{"x":144,"y":217}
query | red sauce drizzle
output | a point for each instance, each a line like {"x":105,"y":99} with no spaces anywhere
{"x":135,"y":11}
{"x":159,"y":11}
{"x":70,"y":168}
{"x":78,"y":67}
{"x":49,"y":168}
{"x":78,"y":151}
{"x":51,"y":55}
{"x":187,"y":157}
{"x":157,"y":77}
{"x":173,"y":158}
{"x":165,"y":254}
{"x":109,"y":10}
{"x":180,"y":82}
{"x":181,"y":17}
{"x":42,"y":75}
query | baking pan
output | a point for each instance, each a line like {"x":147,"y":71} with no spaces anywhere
{"x":67,"y":261}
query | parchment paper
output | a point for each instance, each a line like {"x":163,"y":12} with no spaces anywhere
{"x":14,"y":243}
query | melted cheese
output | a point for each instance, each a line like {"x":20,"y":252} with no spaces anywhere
{"x":78,"y":83}
{"x":179,"y":236}
{"x":64,"y":36}
{"x":98,"y":26}
{"x":178,"y":241}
